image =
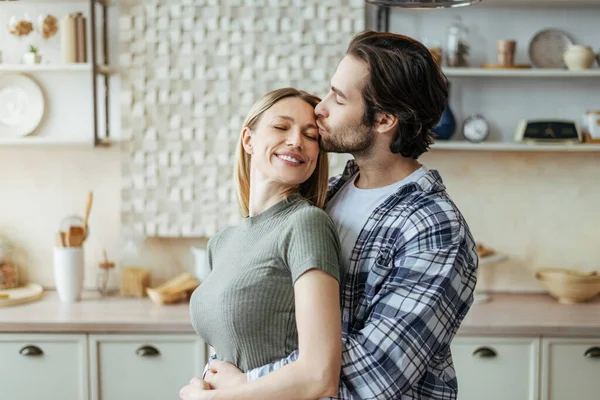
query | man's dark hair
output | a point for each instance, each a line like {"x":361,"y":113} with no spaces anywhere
{"x":404,"y":80}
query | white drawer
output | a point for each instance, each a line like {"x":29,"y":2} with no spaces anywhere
{"x":34,"y":367}
{"x":149,"y":367}
{"x":496,"y":368}
{"x":570,"y":369}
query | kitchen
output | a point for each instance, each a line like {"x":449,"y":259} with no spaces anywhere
{"x":535,"y":206}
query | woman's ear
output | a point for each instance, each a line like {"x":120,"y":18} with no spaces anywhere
{"x":247,"y":140}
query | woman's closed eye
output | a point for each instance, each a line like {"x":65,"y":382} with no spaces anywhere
{"x":281,"y":127}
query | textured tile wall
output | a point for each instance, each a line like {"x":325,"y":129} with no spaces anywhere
{"x":190,"y":70}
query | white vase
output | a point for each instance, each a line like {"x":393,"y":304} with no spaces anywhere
{"x":578,"y":57}
{"x":31,"y":58}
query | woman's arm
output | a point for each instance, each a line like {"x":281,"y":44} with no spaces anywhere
{"x":316,"y":372}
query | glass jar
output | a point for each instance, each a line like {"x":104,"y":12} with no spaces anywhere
{"x":9,"y":272}
{"x":457,"y":46}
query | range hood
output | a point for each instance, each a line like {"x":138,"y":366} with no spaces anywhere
{"x":423,"y":3}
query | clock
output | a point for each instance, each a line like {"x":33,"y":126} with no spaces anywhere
{"x":548,"y":131}
{"x":476,"y":129}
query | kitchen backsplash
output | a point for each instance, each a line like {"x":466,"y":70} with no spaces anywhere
{"x":189,"y":74}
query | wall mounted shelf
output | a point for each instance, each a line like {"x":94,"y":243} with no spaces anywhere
{"x":46,"y":68}
{"x":520,"y":73}
{"x":515,"y":147}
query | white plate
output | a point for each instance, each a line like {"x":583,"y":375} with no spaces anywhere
{"x":547,"y":47}
{"x":21,"y":105}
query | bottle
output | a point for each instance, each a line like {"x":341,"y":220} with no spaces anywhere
{"x":457,"y":46}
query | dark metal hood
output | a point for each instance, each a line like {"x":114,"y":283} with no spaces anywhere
{"x":423,"y":3}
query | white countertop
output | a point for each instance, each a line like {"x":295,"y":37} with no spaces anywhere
{"x":504,"y":315}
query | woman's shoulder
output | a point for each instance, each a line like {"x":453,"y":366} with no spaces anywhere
{"x":306,"y":214}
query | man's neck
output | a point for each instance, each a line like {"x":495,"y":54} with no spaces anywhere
{"x":376,"y":172}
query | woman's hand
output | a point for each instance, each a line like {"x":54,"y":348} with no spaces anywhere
{"x":196,"y":390}
{"x":224,"y":375}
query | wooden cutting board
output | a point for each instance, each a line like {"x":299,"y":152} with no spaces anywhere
{"x":21,"y":295}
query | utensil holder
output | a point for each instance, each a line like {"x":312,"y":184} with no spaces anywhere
{"x":69,"y":273}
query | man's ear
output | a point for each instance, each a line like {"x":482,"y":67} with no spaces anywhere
{"x":385,"y":122}
{"x":247,"y":140}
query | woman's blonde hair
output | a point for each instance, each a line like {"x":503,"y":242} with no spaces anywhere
{"x":314,"y":189}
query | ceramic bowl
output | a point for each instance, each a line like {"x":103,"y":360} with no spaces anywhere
{"x":569,"y":287}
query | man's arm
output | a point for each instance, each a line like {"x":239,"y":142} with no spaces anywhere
{"x":414,"y":315}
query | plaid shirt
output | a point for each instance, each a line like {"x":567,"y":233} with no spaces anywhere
{"x":409,"y":285}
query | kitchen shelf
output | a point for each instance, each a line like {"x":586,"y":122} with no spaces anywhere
{"x":517,"y":147}
{"x":521,"y":73}
{"x":80,"y":67}
{"x":41,"y":141}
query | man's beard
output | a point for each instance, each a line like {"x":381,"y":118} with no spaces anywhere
{"x":347,"y":139}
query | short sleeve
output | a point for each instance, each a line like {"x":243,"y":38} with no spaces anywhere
{"x":310,"y":241}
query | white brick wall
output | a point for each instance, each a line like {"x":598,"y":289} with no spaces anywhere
{"x":190,"y":72}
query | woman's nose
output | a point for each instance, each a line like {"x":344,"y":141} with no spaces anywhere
{"x":295,"y":138}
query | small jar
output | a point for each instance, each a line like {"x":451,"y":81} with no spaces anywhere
{"x":457,"y":47}
{"x":9,"y":272}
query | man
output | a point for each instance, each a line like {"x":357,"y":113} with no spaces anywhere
{"x":409,"y":259}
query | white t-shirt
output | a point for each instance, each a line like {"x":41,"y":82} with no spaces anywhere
{"x":351,"y":207}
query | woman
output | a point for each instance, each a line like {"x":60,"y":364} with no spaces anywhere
{"x":274,"y":284}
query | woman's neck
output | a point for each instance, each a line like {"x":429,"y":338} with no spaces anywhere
{"x":264,"y":194}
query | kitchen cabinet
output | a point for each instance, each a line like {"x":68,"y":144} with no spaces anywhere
{"x":528,"y":368}
{"x":98,"y":366}
{"x":496,"y":368}
{"x":143,"y":366}
{"x":570,"y":369}
{"x":43,"y":366}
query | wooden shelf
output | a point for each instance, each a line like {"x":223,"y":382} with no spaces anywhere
{"x":521,"y":73}
{"x":516,"y":147}
{"x":79,"y":67}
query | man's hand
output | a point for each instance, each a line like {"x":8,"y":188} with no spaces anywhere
{"x":224,"y":375}
{"x":196,"y":390}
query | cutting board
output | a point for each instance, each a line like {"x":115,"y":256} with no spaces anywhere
{"x":21,"y":295}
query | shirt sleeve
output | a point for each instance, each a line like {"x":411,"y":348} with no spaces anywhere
{"x":415,"y":314}
{"x":310,"y":241}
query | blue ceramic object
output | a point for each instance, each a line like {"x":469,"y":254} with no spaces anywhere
{"x":446,"y":127}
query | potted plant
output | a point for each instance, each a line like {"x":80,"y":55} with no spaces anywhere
{"x":32,"y":57}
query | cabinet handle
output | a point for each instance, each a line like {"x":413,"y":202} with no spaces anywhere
{"x":31,"y":350}
{"x":484,"y":352}
{"x":592,"y":352}
{"x":147,"y":351}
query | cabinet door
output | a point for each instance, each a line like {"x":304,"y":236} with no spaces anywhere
{"x":34,"y":367}
{"x":570,"y":369}
{"x":496,"y":368}
{"x":149,"y":367}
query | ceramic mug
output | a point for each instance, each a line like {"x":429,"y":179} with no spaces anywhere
{"x":69,"y":273}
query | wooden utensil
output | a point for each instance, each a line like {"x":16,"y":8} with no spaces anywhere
{"x":88,"y":209}
{"x":75,"y":236}
{"x":60,"y":239}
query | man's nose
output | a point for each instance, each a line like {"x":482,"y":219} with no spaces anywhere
{"x":321,"y":110}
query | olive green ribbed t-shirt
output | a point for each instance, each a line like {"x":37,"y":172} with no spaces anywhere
{"x":245,"y":307}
